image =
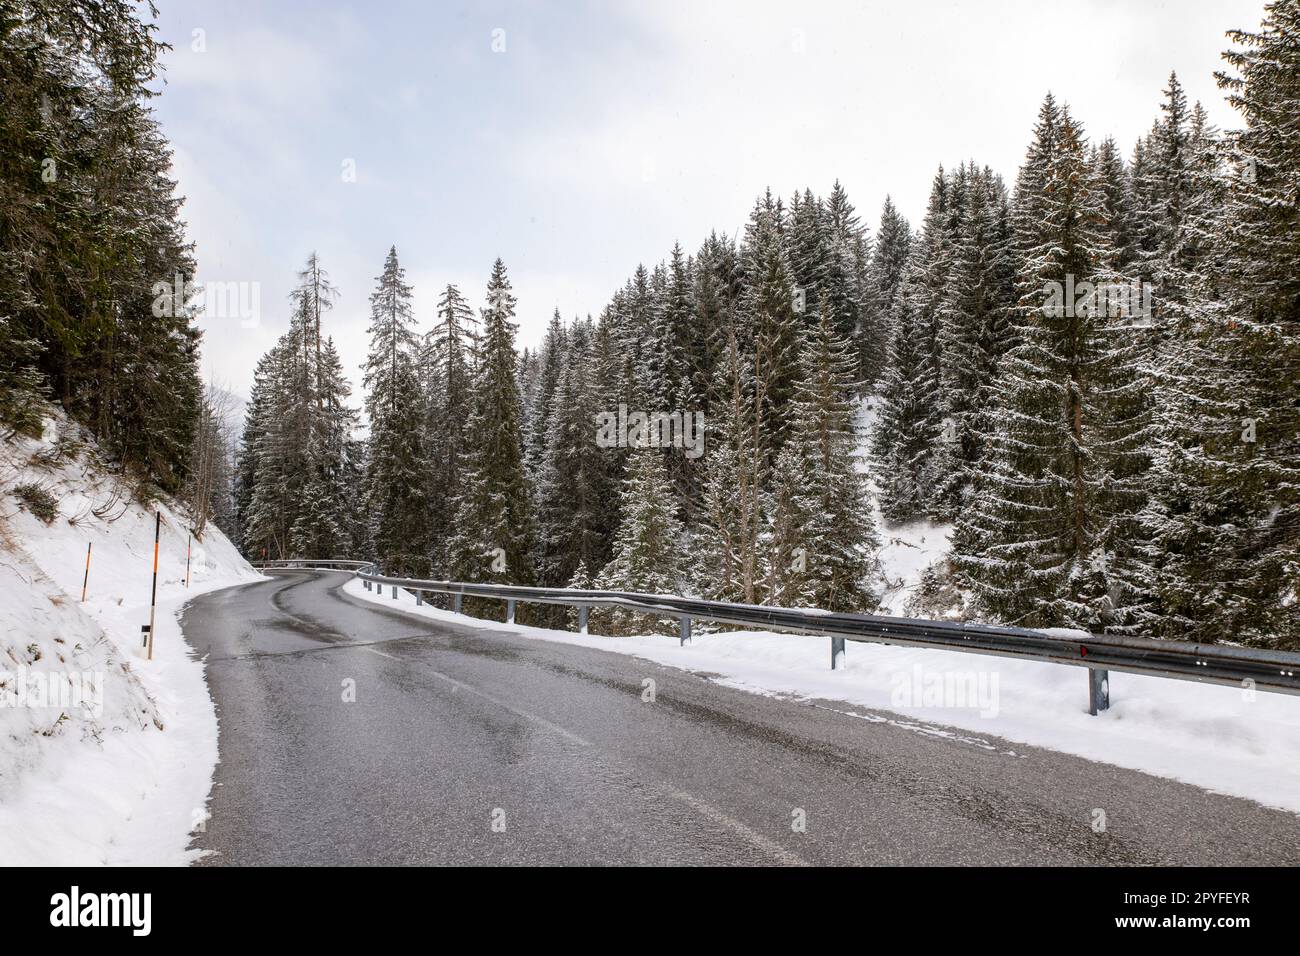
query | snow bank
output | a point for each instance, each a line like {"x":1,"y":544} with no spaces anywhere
{"x":1219,"y":738}
{"x":117,"y":770}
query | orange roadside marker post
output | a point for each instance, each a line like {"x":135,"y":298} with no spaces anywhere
{"x":153,"y":599}
{"x":86,"y":579}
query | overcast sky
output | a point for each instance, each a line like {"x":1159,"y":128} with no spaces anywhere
{"x":575,"y":140}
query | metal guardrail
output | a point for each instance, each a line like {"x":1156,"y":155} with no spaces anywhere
{"x":1252,"y":668}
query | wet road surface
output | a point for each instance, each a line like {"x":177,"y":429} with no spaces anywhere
{"x":462,"y":745}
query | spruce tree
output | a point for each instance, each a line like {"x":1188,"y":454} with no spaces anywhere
{"x":447,"y":364}
{"x":729,"y":563}
{"x":492,"y":540}
{"x":823,"y":539}
{"x":768,"y":308}
{"x":395,"y":482}
{"x":647,"y":549}
{"x":1227,"y":534}
{"x":1049,"y":536}
{"x":973,"y":309}
{"x":909,"y":422}
{"x":572,"y":480}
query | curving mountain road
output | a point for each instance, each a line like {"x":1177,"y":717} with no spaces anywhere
{"x":469,"y":746}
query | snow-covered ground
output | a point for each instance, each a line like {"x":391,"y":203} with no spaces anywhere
{"x":1219,"y":738}
{"x":905,"y":550}
{"x":117,"y":772}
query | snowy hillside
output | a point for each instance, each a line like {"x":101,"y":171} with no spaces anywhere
{"x":906,"y":550}
{"x":105,"y":757}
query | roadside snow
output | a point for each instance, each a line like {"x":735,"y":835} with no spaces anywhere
{"x":119,"y":775}
{"x":1218,"y":738}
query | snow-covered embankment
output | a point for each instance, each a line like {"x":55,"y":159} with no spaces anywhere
{"x":105,"y":757}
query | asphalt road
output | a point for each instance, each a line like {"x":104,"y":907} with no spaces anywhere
{"x":469,"y":746}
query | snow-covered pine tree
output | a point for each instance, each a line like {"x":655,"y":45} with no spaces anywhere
{"x":492,"y":540}
{"x":884,"y":275}
{"x":270,"y":458}
{"x":716,"y":294}
{"x":974,"y":329}
{"x":93,"y":256}
{"x":767,"y":308}
{"x":448,"y":360}
{"x":1117,"y":186}
{"x":684,"y":328}
{"x":906,"y":436}
{"x":822,"y":543}
{"x":689,"y":345}
{"x":663,"y":360}
{"x":1048,"y":537}
{"x":909,"y":425}
{"x":648,"y":555}
{"x":1230,"y":465}
{"x":396,"y":481}
{"x":326,"y":520}
{"x":845,"y":299}
{"x":573,"y":482}
{"x":890,"y":258}
{"x":257,"y":422}
{"x":809,"y":239}
{"x":631,"y":317}
{"x":314,"y":296}
{"x":729,"y":563}
{"x":298,"y":462}
{"x":539,"y":405}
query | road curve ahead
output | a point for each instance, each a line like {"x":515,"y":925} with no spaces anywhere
{"x":469,"y":746}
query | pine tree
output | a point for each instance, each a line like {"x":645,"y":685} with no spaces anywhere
{"x":573,"y":479}
{"x":767,"y":306}
{"x":326,"y":518}
{"x":889,"y":260}
{"x":647,"y":549}
{"x":846,"y":298}
{"x":729,"y":565}
{"x":1049,"y":536}
{"x":492,"y":539}
{"x":973,"y":310}
{"x":907,"y":433}
{"x":299,"y":462}
{"x":906,"y":441}
{"x":448,"y":360}
{"x":716,"y":295}
{"x":1227,"y":532}
{"x":822,"y":540}
{"x":90,"y":231}
{"x":539,"y":405}
{"x":395,"y":482}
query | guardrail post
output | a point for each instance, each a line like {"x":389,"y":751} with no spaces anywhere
{"x":837,"y":653}
{"x":582,"y":619}
{"x":394,"y":592}
{"x":419,"y":598}
{"x":1098,"y":690}
{"x":510,"y":611}
{"x":686,"y":631}
{"x":455,"y":602}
